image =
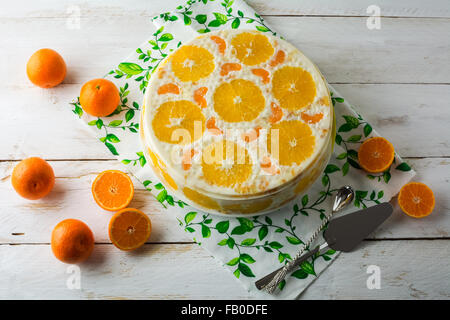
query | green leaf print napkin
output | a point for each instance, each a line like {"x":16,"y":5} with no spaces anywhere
{"x":254,"y":246}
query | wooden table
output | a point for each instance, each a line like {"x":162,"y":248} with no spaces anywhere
{"x":398,"y":77}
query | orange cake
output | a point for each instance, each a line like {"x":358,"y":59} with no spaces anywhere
{"x":237,"y":122}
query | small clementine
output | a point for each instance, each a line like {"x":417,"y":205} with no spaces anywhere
{"x":99,"y":97}
{"x":72,"y":241}
{"x":33,"y":178}
{"x":46,"y":68}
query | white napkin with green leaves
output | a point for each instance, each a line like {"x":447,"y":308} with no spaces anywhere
{"x":247,"y":247}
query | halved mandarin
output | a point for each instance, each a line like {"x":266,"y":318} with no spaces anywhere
{"x":226,"y":164}
{"x":129,"y":229}
{"x":192,"y":63}
{"x":376,"y":155}
{"x":252,"y":48}
{"x":238,"y":100}
{"x":112,"y":190}
{"x":178,"y":122}
{"x":416,"y":199}
{"x":293,"y":87}
{"x":292,"y":140}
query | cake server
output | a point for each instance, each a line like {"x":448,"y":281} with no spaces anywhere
{"x":342,"y":234}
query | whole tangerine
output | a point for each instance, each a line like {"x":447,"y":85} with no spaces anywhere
{"x":99,"y":97}
{"x":46,"y":68}
{"x":33,"y":178}
{"x":72,"y":241}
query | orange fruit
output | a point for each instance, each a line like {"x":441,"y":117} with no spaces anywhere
{"x":295,"y":142}
{"x":226,"y":164}
{"x":129,"y":229}
{"x":72,"y":241}
{"x":33,"y":178}
{"x":376,"y":155}
{"x":238,"y":100}
{"x":293,"y":87}
{"x":416,"y":199}
{"x":112,"y":190}
{"x":191,"y":63}
{"x":99,"y":97}
{"x":172,"y":116}
{"x":46,"y":68}
{"x":252,"y":48}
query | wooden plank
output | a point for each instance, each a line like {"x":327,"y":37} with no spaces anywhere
{"x":404,"y":50}
{"x":23,"y":221}
{"x":32,"y":117}
{"x":409,"y":270}
{"x":399,"y":8}
{"x":185,"y":271}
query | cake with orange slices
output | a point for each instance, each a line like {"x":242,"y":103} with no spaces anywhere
{"x":237,"y":122}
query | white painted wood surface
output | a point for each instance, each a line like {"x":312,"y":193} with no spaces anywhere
{"x":398,"y":77}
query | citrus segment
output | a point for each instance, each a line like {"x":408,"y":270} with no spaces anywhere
{"x":186,"y":161}
{"x":376,"y":155}
{"x":252,"y":48}
{"x":262,"y":73}
{"x":129,"y":229}
{"x":311,"y":119}
{"x":238,"y":100}
{"x":279,"y":58}
{"x":191,"y":63}
{"x":293,"y":87}
{"x":211,"y":126}
{"x":226,"y":164}
{"x":251,"y":135}
{"x":228,"y":67}
{"x":199,"y":96}
{"x":277,"y":113}
{"x":178,"y":122}
{"x":268,"y":167}
{"x":293,"y":140}
{"x":169,"y":88}
{"x":112,"y":190}
{"x":220,"y":43}
{"x":416,"y":199}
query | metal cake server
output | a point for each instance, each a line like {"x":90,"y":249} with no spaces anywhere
{"x":342,"y":198}
{"x":344,"y":233}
